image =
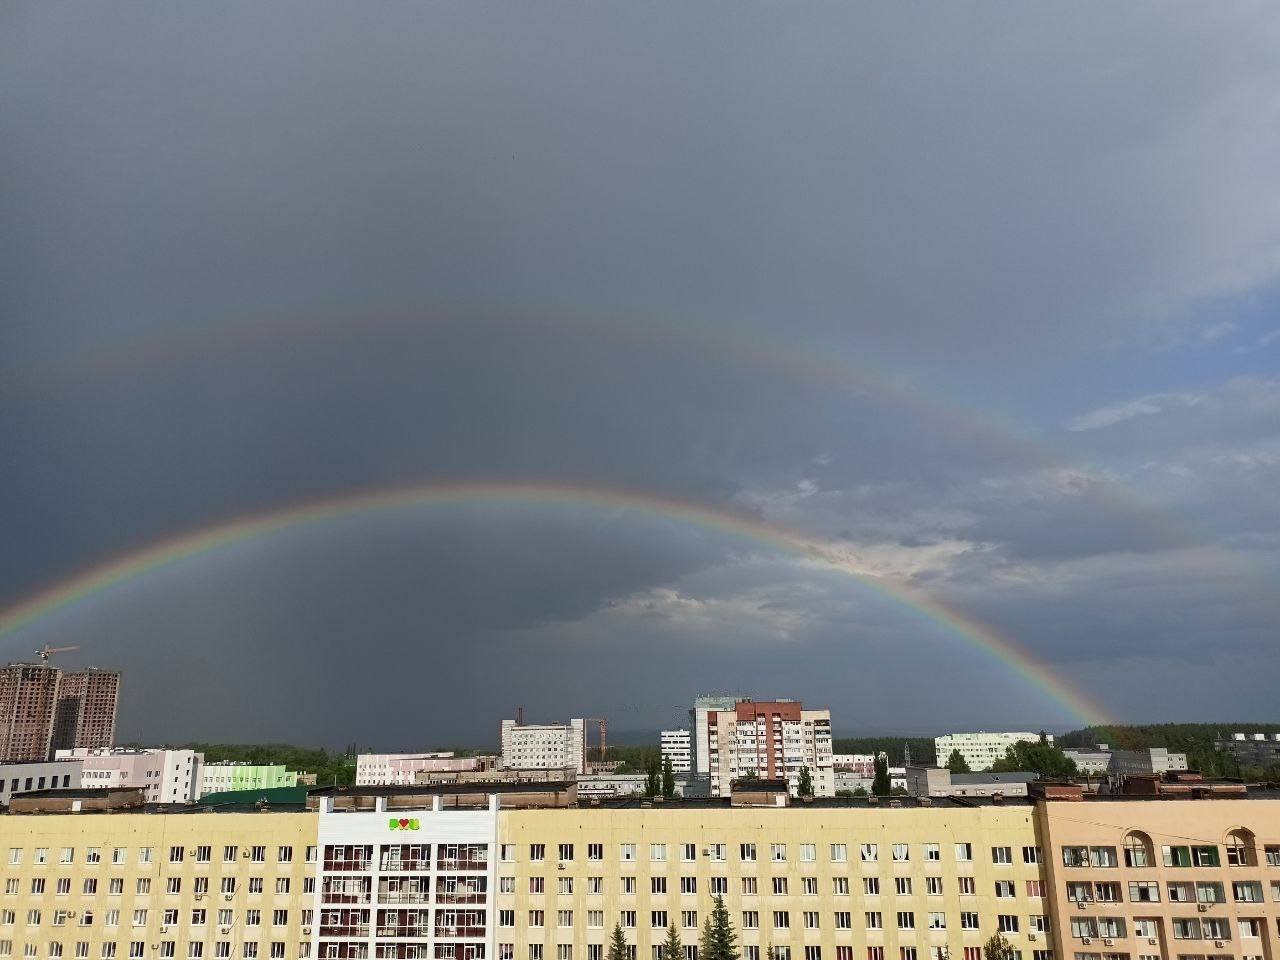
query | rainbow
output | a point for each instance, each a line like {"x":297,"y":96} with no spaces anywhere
{"x":166,"y":553}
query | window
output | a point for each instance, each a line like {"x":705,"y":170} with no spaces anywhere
{"x":537,"y":852}
{"x":933,"y":886}
{"x":507,"y":852}
{"x":1035,"y":888}
{"x":1031,"y":855}
{"x":906,"y":920}
{"x":657,"y":852}
{"x":840,"y":886}
{"x":1240,"y":849}
{"x":1005,"y":889}
{"x":839,"y":853}
{"x":779,"y":886}
{"x":968,"y":920}
{"x":968,"y":886}
{"x":689,"y":919}
{"x":937,"y":921}
{"x":629,"y":885}
{"x":813,"y":953}
{"x":1210,"y":892}
{"x":964,"y":852}
{"x":1144,"y":891}
{"x":875,"y":953}
{"x":1002,"y":855}
{"x":595,"y":885}
{"x":719,"y":886}
{"x":901,"y":852}
{"x":902,"y":886}
{"x":932,"y":853}
{"x":808,"y":853}
{"x":628,"y":919}
{"x":869,"y":852}
{"x":906,"y":953}
{"x":536,"y":884}
{"x":564,"y":886}
{"x":564,"y":918}
{"x":809,"y":886}
{"x":870,"y":886}
{"x":1007,"y":923}
{"x":627,"y":852}
{"x":844,"y":920}
{"x":778,"y":852}
{"x":874,"y":920}
{"x":658,"y":885}
{"x":750,"y":920}
{"x":1248,"y":891}
{"x":688,"y":885}
{"x":537,"y":918}
{"x":719,"y":851}
{"x":747,"y":852}
{"x":781,"y":919}
{"x":595,"y":851}
{"x":595,"y":919}
{"x":810,"y":918}
{"x":688,"y":852}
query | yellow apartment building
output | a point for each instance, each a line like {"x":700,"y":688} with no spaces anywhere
{"x":1174,"y":879}
{"x":143,"y":885}
{"x":818,"y":881}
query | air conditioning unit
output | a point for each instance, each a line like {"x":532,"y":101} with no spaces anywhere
{"x":1218,"y":943}
{"x":306,"y":930}
{"x":199,"y":896}
{"x":1086,"y":939}
{"x":1082,"y":905}
{"x":228,"y":897}
{"x":224,"y":929}
{"x":1108,"y":942}
{"x":164,"y":929}
{"x":1202,"y":907}
{"x":1031,"y":936}
{"x":1153,"y":941}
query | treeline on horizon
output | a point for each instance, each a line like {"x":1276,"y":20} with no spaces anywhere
{"x":1196,"y":740}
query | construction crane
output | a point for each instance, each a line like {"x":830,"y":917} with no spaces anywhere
{"x":604,"y":728}
{"x":43,"y":652}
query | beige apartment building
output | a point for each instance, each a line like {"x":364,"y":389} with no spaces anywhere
{"x":455,"y":872}
{"x":1174,"y":879}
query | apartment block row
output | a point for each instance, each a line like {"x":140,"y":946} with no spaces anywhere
{"x":463,"y":873}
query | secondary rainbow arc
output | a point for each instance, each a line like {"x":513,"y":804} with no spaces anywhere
{"x":138,"y":563}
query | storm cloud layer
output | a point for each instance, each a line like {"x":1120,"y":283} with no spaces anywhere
{"x":984,"y":296}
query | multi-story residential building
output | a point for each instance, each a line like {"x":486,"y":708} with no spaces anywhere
{"x":28,"y":699}
{"x":19,"y":778}
{"x":980,"y":750}
{"x":229,"y":775}
{"x":1175,"y":879}
{"x":165,"y":776}
{"x":1152,"y":760}
{"x":1087,"y":761}
{"x":773,"y":739}
{"x":543,"y":746}
{"x":677,"y":746}
{"x":1255,"y":749}
{"x":389,"y":769}
{"x":85,"y":714}
{"x":700,"y":724}
{"x":142,"y":885}
{"x":860,"y":763}
{"x":454,"y":875}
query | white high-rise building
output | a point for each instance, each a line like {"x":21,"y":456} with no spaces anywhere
{"x":544,"y":746}
{"x":167,"y":776}
{"x":677,"y":747}
{"x":980,"y":750}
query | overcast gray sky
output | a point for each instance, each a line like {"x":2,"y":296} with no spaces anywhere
{"x":982,"y":295}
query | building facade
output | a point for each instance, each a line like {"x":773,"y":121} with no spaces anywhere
{"x":677,"y":746}
{"x":28,"y":700}
{"x":390,"y":769}
{"x":1152,"y":760}
{"x":770,"y":740}
{"x":165,"y":776}
{"x":543,"y":746}
{"x":228,"y":775}
{"x":700,"y":724}
{"x":85,"y":714}
{"x":19,"y":778}
{"x":980,"y":750}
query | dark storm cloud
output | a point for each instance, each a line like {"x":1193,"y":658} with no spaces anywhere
{"x":257,"y":254}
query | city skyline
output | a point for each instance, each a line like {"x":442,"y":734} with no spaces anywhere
{"x":360,"y":373}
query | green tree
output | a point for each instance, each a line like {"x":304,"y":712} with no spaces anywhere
{"x":880,"y":783}
{"x":718,"y":941}
{"x":805,"y":787}
{"x":672,"y":948}
{"x":668,"y":781}
{"x":956,"y":763}
{"x":653,"y":780}
{"x":1044,"y":759}
{"x":998,"y":948}
{"x":859,"y":791}
{"x":617,"y":944}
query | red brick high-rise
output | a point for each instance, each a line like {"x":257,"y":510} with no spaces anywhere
{"x":85,"y":716}
{"x":28,"y":699}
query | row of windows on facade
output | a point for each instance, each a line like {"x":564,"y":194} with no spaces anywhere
{"x":1178,"y":891}
{"x":231,"y":853}
{"x":595,"y":951}
{"x":1138,"y":852}
{"x":748,"y":852}
{"x":199,"y":917}
{"x":781,"y":920}
{"x":114,"y":886}
{"x":1183,"y":928}
{"x":779,"y":886}
{"x":111,"y":950}
{"x":39,"y":782}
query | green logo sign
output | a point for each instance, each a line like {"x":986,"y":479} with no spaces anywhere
{"x":402,"y":823}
